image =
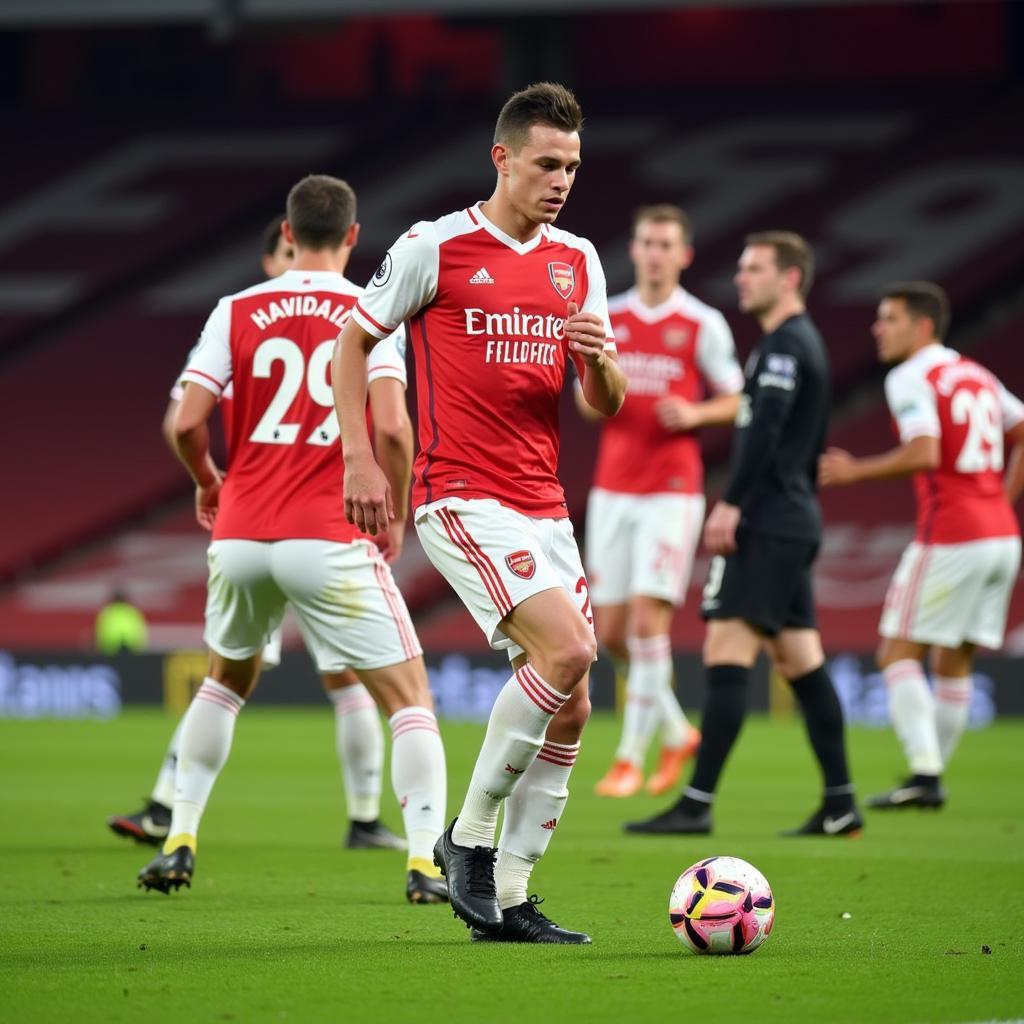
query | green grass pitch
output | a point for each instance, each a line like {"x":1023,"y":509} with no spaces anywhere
{"x":283,"y":925}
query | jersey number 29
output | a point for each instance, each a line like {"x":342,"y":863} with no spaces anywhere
{"x":271,"y":428}
{"x":983,"y":447}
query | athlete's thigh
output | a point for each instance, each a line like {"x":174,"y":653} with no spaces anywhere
{"x":547,"y":624}
{"x":349,"y":609}
{"x":492,"y":557}
{"x":988,"y":626}
{"x":608,"y":544}
{"x":564,"y":555}
{"x":664,"y":542}
{"x":243,"y":603}
{"x":399,"y":686}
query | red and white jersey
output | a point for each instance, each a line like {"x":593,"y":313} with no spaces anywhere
{"x":486,"y":315}
{"x":681,"y":348}
{"x":273,"y":342}
{"x":178,"y":393}
{"x":938,"y":393}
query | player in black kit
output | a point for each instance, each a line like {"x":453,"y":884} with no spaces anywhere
{"x":764,"y":535}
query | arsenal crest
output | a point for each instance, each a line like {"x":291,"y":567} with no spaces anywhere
{"x":675,"y":337}
{"x":563,"y":278}
{"x":522,"y":564}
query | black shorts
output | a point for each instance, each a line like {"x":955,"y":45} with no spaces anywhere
{"x":767,"y":583}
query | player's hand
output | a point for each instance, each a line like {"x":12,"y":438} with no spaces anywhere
{"x":837,"y":468}
{"x":720,"y":529}
{"x":368,"y":502}
{"x":585,"y":334}
{"x":207,"y":502}
{"x":677,"y":414}
{"x":391,"y":543}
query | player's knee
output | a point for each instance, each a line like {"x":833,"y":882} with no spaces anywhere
{"x":571,"y":662}
{"x":576,"y":712}
{"x":883,"y":655}
{"x":614,"y":642}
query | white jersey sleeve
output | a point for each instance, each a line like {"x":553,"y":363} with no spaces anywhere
{"x":596,"y":300}
{"x":912,"y":404}
{"x":387,"y":359}
{"x":404,"y":283}
{"x":716,"y":355}
{"x":209,"y":363}
{"x":1012,"y":408}
{"x":177,"y":391}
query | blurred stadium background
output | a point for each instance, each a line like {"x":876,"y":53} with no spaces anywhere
{"x":149,"y":141}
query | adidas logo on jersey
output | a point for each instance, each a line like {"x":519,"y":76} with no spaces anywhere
{"x":481,"y":277}
{"x":550,"y":825}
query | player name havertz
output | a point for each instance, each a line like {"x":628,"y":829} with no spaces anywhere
{"x":517,"y":327}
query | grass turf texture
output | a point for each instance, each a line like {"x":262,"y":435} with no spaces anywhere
{"x":283,"y":925}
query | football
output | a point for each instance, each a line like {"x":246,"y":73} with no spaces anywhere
{"x":722,"y":905}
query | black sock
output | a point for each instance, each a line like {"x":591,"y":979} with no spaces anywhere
{"x":724,"y":712}
{"x":823,"y":717}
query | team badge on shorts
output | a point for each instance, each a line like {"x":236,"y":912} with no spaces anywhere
{"x":563,"y":277}
{"x":522,"y":564}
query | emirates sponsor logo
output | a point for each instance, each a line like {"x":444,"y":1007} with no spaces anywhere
{"x":514,"y":771}
{"x":550,"y":825}
{"x":563,"y":278}
{"x":516,"y":324}
{"x":651,"y":374}
{"x":522,"y":564}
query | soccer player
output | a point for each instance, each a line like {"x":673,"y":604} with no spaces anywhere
{"x":498,"y":300}
{"x":359,"y":739}
{"x":644,"y":516}
{"x":280,"y":535}
{"x":952,"y":587}
{"x":764,"y":534}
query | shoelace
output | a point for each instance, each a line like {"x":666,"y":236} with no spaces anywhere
{"x":480,"y":869}
{"x":534,"y":901}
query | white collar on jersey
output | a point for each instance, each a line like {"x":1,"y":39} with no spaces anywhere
{"x":291,"y":275}
{"x":476,"y":214}
{"x":652,"y":314}
{"x":931,"y":355}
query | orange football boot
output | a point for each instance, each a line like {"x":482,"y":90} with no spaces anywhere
{"x":623,"y":779}
{"x":671,"y":763}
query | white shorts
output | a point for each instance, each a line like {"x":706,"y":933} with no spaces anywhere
{"x":272,"y":648}
{"x":950,"y":594}
{"x":641,"y":545}
{"x":349,"y":609}
{"x":495,"y":558}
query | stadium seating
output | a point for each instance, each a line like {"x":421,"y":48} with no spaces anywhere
{"x":172,"y":223}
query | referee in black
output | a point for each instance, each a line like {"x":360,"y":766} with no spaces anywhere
{"x":765,"y":535}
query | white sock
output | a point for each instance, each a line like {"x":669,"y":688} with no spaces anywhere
{"x":515,"y":732}
{"x":419,"y":777}
{"x":360,"y":742}
{"x":952,"y":711}
{"x":650,"y":672}
{"x":675,"y":726}
{"x":206,"y":734}
{"x":163,"y":788}
{"x":532,"y":813}
{"x":912,"y":710}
